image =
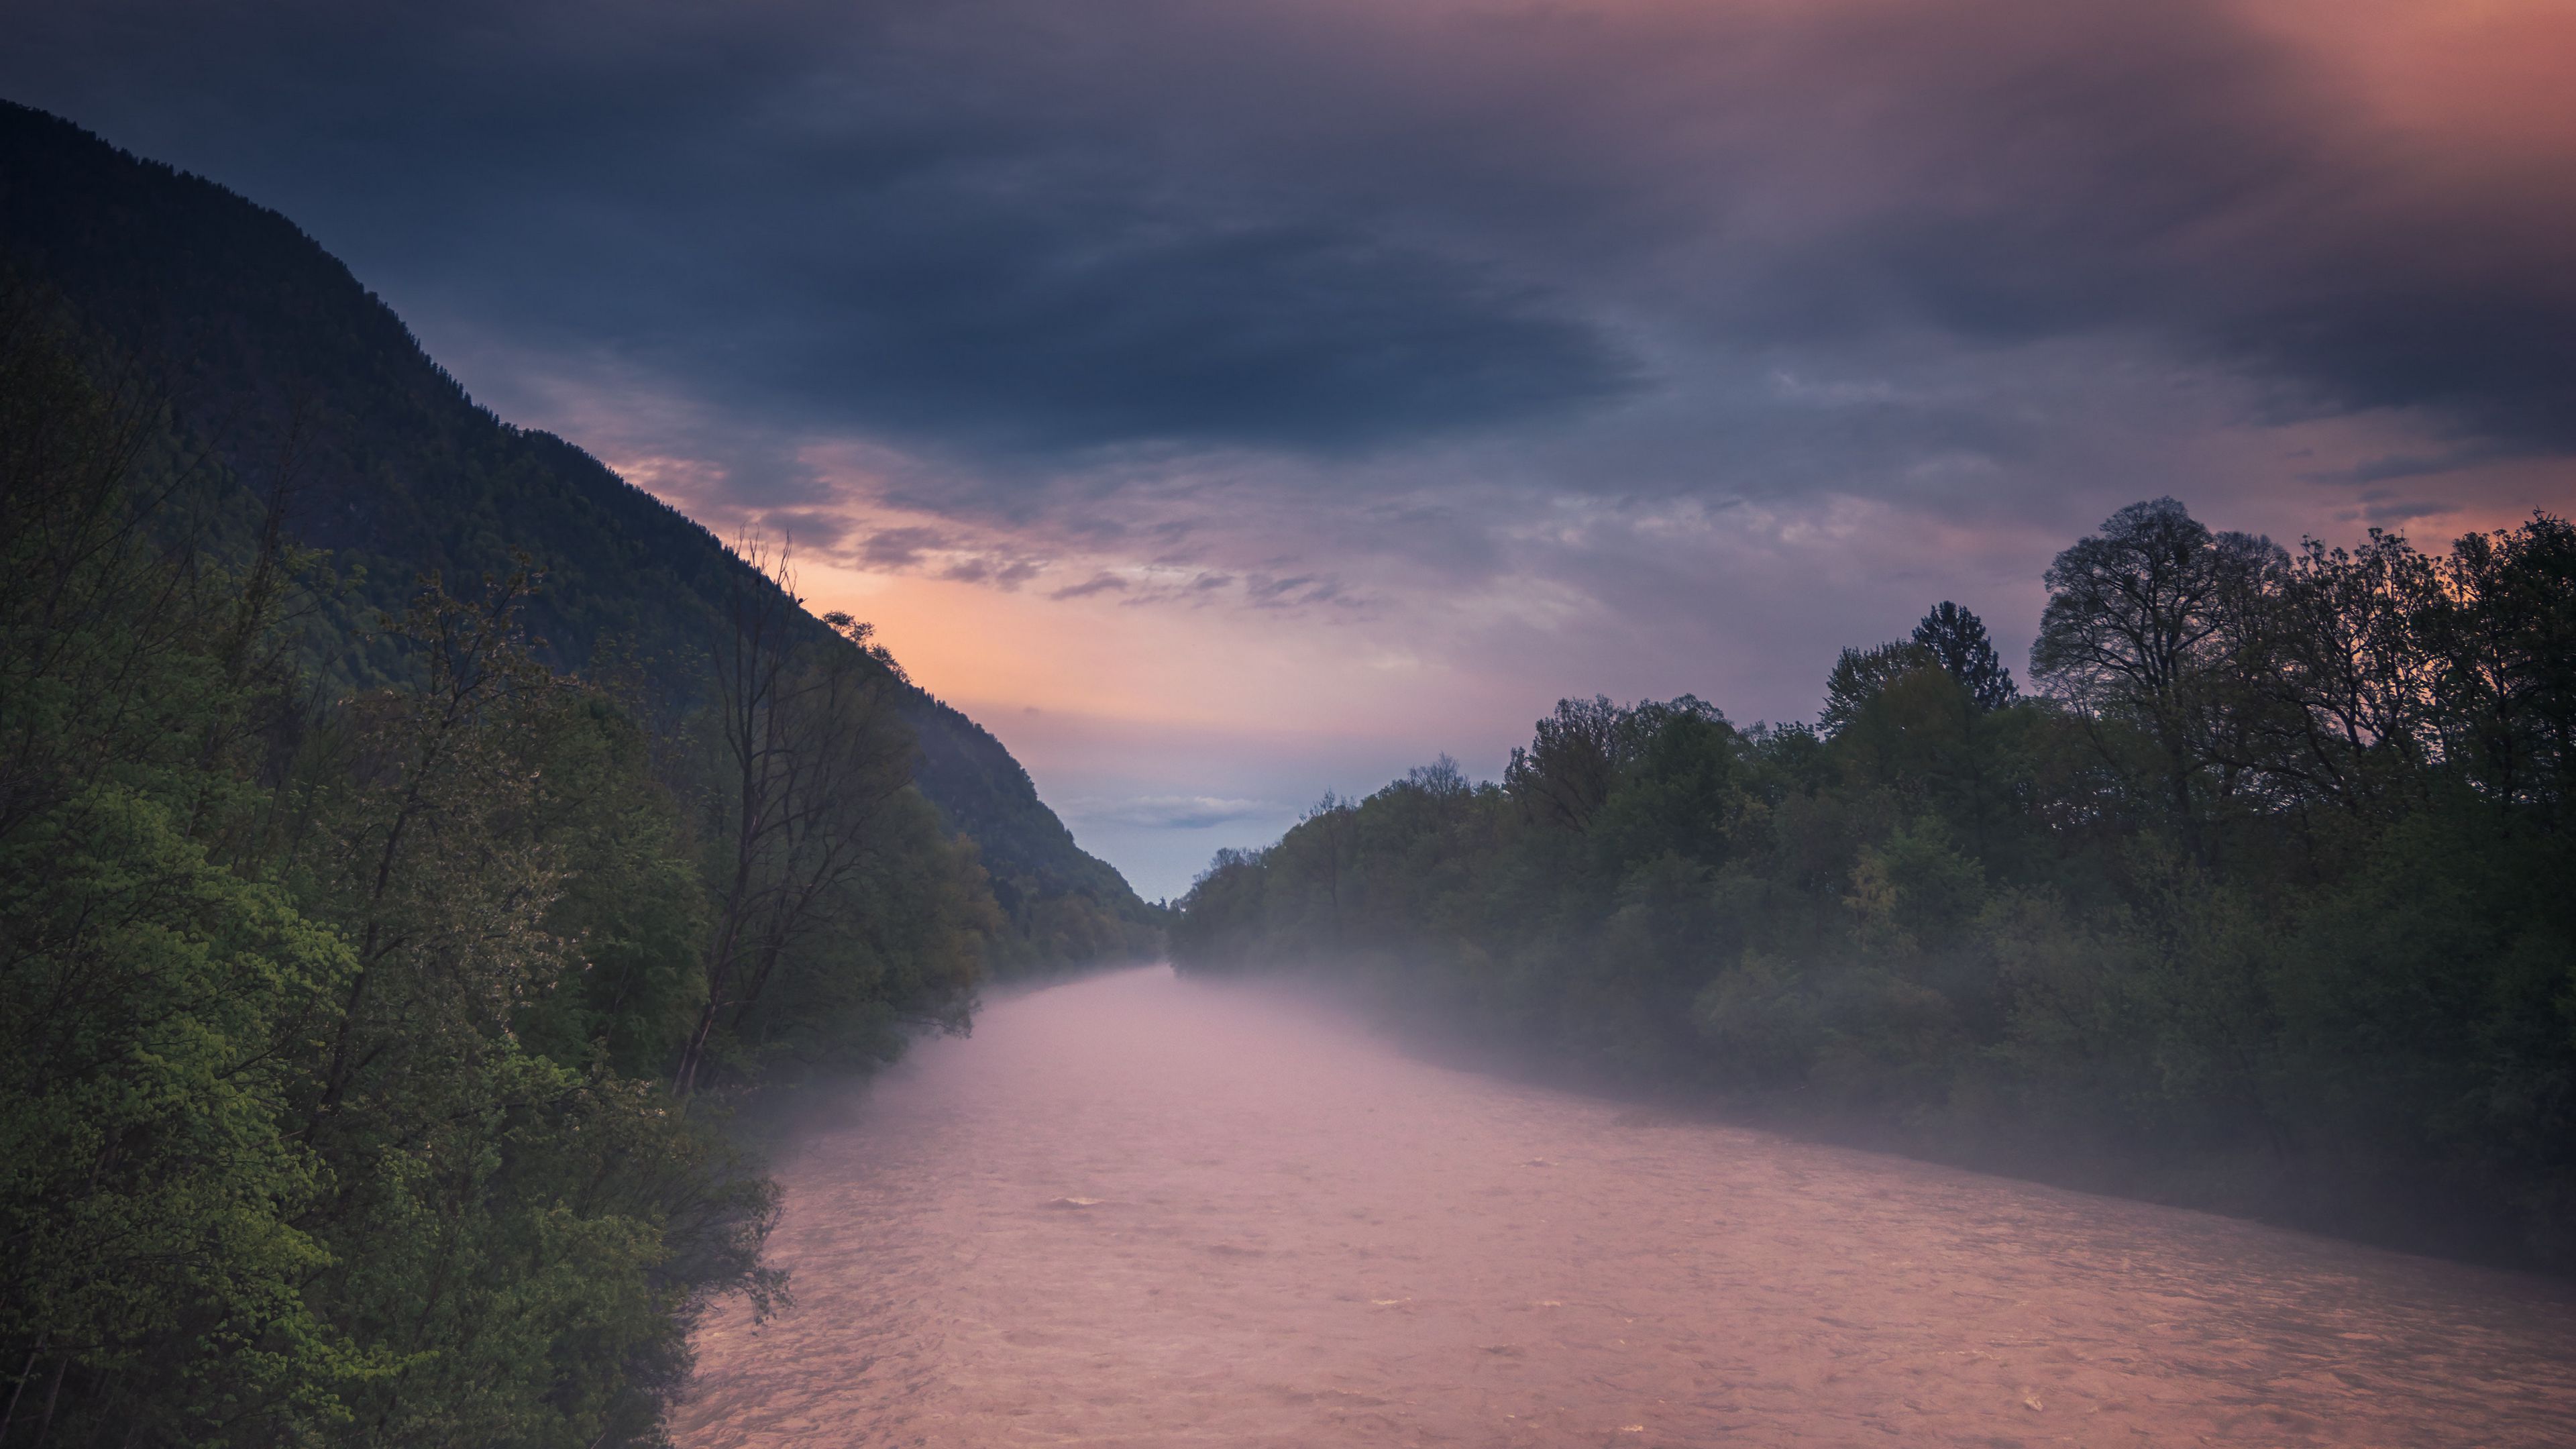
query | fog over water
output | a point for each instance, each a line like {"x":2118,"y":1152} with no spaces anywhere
{"x":1144,"y":1210}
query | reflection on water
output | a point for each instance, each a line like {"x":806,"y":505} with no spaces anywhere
{"x":1139,"y":1210}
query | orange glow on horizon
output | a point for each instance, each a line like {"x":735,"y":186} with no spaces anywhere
{"x":991,"y":652}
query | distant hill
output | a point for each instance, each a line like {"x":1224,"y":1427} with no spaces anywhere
{"x":277,"y":360}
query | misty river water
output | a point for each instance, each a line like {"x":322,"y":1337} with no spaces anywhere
{"x":1145,"y":1210}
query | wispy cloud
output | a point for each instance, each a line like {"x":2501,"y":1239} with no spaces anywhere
{"x":1172,"y":812}
{"x":1096,"y":584}
{"x":900,"y":548}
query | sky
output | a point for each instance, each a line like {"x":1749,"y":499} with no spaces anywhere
{"x":1231,"y":401}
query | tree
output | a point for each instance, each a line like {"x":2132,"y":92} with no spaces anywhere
{"x":1678,"y":791}
{"x":811,"y":758}
{"x":2138,"y":628}
{"x":517,"y":1242}
{"x":1956,"y":640}
{"x":2501,"y":630}
{"x":2333,"y":689}
{"x":1572,"y":761}
{"x":1861,"y":675}
{"x":154,"y":1210}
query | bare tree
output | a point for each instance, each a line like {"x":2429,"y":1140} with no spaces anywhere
{"x":810,"y":752}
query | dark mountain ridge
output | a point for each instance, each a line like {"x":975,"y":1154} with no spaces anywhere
{"x":299,"y":381}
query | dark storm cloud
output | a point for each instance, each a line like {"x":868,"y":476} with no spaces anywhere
{"x":1035,"y":236}
{"x":826,"y":217}
{"x":2003,"y":173}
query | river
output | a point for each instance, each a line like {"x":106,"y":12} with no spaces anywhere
{"x":1145,"y":1210}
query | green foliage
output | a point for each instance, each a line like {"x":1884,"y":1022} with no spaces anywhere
{"x":2261,"y":904}
{"x":630,"y":902}
{"x":388,"y":958}
{"x":152,"y":1194}
{"x":342,"y":1106}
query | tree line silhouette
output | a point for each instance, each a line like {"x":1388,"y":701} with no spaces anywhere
{"x":2259,"y":901}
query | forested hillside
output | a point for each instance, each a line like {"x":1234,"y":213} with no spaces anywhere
{"x":298,"y":384}
{"x":2261,"y":902}
{"x":417,"y":850}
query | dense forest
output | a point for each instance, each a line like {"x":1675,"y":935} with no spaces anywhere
{"x":421,"y":856}
{"x":373,"y":1048}
{"x":2261,"y":901}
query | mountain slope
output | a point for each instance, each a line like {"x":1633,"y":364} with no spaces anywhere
{"x":275,"y":358}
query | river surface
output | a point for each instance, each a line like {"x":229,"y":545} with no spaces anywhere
{"x":1151,"y":1211}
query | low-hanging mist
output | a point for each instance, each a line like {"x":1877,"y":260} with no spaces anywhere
{"x":1157,"y":1211}
{"x":2258,"y":903}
